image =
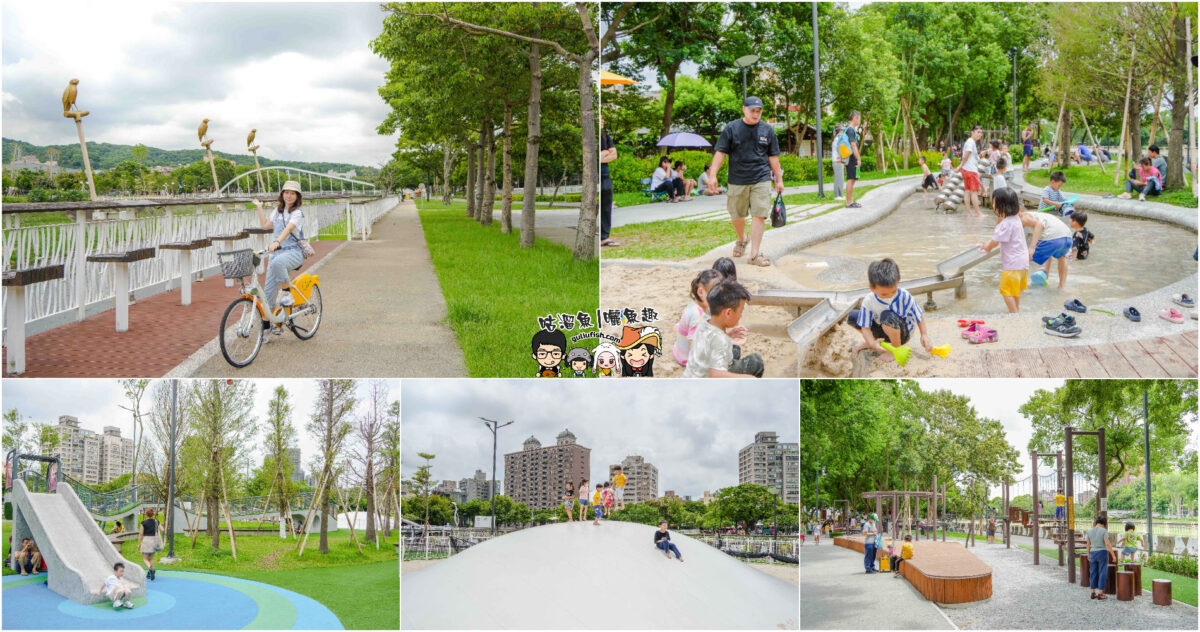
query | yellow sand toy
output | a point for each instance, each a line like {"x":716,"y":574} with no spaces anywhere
{"x":900,"y":353}
{"x":941,"y":351}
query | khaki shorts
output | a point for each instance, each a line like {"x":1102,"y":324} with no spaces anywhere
{"x":749,"y":199}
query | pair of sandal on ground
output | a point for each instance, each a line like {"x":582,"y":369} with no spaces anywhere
{"x":760,"y":260}
{"x":975,"y":333}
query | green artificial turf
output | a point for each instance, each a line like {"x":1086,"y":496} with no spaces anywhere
{"x":363,"y":597}
{"x":1093,"y":181}
{"x":679,"y":239}
{"x":496,"y":290}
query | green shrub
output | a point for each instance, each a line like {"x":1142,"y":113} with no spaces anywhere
{"x":57,"y":195}
{"x":1185,"y":565}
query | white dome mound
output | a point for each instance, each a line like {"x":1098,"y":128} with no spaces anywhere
{"x":577,"y":575}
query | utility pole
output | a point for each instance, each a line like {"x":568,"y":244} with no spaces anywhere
{"x":1014,"y":95}
{"x":493,"y":426}
{"x":1146,"y":431}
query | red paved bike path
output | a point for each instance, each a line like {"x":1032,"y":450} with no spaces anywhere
{"x":162,"y":333}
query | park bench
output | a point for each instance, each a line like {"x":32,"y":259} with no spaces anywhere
{"x":186,"y":274}
{"x":227,"y":242}
{"x":17,"y":280}
{"x":121,"y":261}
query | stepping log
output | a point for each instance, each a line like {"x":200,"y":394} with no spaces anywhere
{"x":1162,"y":592}
{"x":1124,"y":586}
{"x":1136,"y":569}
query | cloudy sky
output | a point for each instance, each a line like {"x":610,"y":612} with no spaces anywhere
{"x":691,"y":430}
{"x":301,"y":73}
{"x":97,"y":403}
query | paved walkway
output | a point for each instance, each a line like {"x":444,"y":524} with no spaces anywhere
{"x":701,"y":204}
{"x":837,"y":594}
{"x":384,"y":315}
{"x":162,"y":333}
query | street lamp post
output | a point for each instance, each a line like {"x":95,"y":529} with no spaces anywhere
{"x":493,"y":426}
{"x":817,"y":97}
{"x":744,"y":62}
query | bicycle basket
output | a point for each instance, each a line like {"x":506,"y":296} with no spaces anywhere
{"x":237,"y":264}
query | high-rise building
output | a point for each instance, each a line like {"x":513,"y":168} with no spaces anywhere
{"x":707,"y":497}
{"x":293,"y":455}
{"x":477,"y":487}
{"x":771,"y":464}
{"x":538,"y":476}
{"x":641,"y":479}
{"x":446,"y":488}
{"x":89,"y":457}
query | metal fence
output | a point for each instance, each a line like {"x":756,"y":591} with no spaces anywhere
{"x":70,"y":243}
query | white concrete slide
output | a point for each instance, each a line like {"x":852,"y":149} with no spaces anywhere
{"x":77,"y":553}
{"x":578,"y":575}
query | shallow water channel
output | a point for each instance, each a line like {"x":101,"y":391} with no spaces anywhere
{"x":1129,"y":257}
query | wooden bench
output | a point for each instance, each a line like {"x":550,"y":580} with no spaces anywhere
{"x":17,"y":280}
{"x":186,"y":274}
{"x":944,"y":572}
{"x":227,"y":243}
{"x":121,"y":261}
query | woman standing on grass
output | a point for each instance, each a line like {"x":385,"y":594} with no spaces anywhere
{"x":149,"y":541}
{"x":1026,"y":145}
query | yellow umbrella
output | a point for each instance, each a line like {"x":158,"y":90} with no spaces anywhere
{"x":607,"y":78}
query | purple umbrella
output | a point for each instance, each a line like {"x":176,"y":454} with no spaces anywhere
{"x":683,"y":139}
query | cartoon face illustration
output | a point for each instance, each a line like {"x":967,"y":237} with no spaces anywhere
{"x":579,"y":359}
{"x":547,"y":350}
{"x":606,"y":362}
{"x":638,"y":347}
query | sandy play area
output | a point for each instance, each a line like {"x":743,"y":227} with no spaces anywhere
{"x":666,"y":290}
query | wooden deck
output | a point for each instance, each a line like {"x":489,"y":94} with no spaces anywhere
{"x":945,"y":572}
{"x":1168,"y":356}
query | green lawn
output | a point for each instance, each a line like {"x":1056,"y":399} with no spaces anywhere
{"x":1182,"y":588}
{"x":495,"y":290}
{"x":1092,"y":180}
{"x":676,"y":240}
{"x":633,"y":198}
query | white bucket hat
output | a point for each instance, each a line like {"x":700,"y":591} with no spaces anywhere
{"x":291,"y":185}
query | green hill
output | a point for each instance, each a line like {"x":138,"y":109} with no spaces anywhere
{"x":108,"y":155}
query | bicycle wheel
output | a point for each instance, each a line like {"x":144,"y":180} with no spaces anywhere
{"x":241,"y":332}
{"x":307,"y":317}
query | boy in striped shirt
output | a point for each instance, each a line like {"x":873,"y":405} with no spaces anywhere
{"x":887,"y":311}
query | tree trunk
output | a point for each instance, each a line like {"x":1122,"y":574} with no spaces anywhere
{"x":323,"y":498}
{"x":586,"y":235}
{"x":471,"y":180}
{"x":214,"y":521}
{"x":485,"y":128}
{"x":1064,"y":140}
{"x":533,"y":140}
{"x":1179,"y":105}
{"x":1135,"y":128}
{"x":489,"y":180}
{"x":447,"y":168}
{"x":369,"y":481}
{"x":506,"y":195}
{"x":668,"y":98}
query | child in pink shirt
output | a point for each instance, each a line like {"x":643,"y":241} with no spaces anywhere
{"x":1014,"y":252}
{"x":695,"y":313}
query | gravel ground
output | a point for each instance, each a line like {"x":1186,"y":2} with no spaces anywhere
{"x":1025,"y":596}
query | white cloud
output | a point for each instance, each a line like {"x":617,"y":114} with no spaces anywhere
{"x":301,"y":73}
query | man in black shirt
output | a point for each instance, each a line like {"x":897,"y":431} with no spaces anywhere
{"x":608,"y":153}
{"x":754,"y":171}
{"x":662,"y":540}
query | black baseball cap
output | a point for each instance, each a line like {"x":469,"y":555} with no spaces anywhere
{"x":752,"y":102}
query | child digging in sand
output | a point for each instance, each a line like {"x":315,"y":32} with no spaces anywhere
{"x":887,"y":312}
{"x":1014,"y":254}
{"x":695,"y":313}
{"x":712,"y":351}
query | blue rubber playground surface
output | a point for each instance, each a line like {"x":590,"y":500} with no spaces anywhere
{"x":176,"y":600}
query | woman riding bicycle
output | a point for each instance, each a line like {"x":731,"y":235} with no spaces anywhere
{"x":288,"y":223}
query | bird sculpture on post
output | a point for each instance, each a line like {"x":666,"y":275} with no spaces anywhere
{"x":254,"y":151}
{"x":207,"y":144}
{"x":71,"y":111}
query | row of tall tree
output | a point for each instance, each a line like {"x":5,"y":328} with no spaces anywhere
{"x":461,"y":73}
{"x":216,"y":427}
{"x":919,"y":72}
{"x":742,"y":505}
